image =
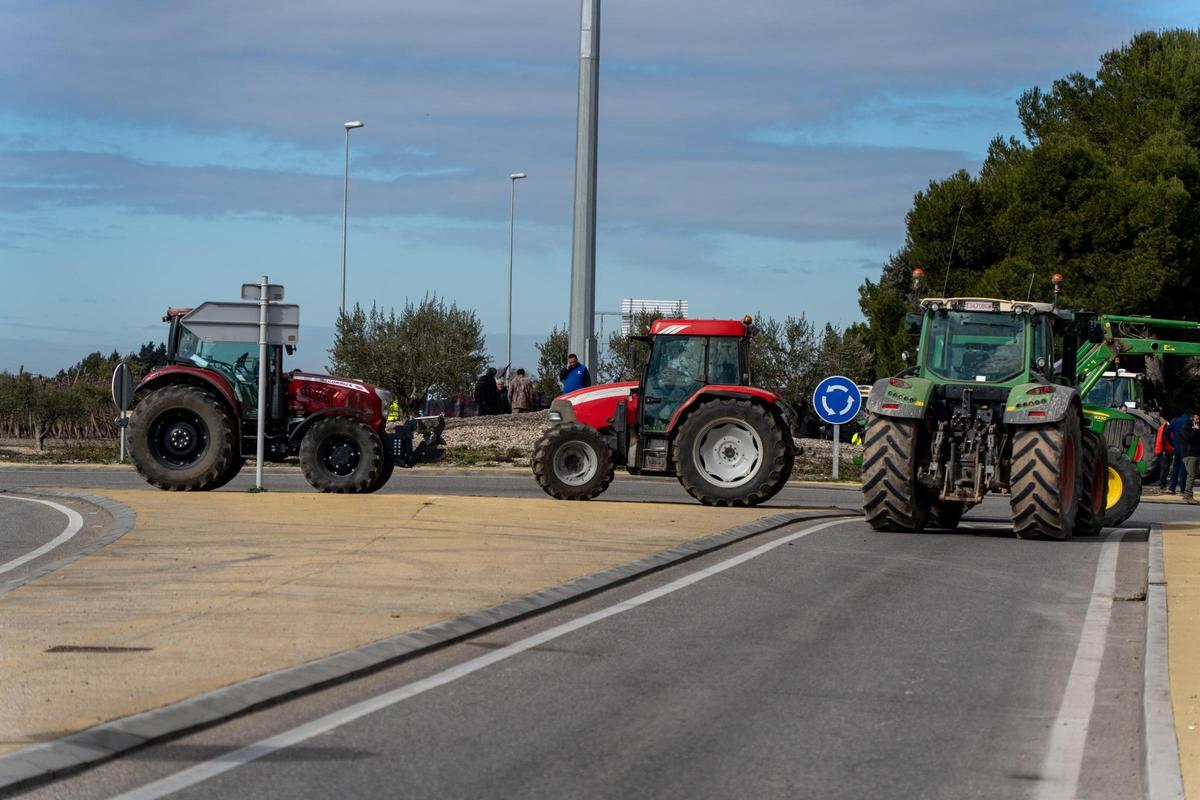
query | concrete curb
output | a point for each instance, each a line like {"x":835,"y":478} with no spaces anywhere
{"x":105,"y":741}
{"x":123,"y":519}
{"x":1161,"y":773}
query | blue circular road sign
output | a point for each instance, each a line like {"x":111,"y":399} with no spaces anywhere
{"x":837,"y":400}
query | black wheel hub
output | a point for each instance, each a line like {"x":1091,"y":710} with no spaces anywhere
{"x":341,"y":456}
{"x":179,"y":438}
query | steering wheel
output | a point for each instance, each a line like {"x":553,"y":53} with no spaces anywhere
{"x":241,"y":370}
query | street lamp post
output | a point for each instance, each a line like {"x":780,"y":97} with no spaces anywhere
{"x":349,"y":126}
{"x":512,"y":202}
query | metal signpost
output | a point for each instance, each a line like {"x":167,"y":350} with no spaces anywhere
{"x":837,"y":401}
{"x":122,"y":393}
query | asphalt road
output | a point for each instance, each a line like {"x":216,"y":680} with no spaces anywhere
{"x":844,"y":663}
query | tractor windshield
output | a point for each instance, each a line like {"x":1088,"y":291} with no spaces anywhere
{"x":975,"y":346}
{"x":236,"y":361}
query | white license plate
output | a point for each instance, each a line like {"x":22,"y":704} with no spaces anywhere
{"x":975,"y":305}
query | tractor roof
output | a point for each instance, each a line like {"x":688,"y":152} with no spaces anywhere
{"x":698,"y":327}
{"x":961,"y":304}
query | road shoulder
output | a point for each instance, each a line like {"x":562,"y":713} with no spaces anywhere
{"x":1181,"y":571}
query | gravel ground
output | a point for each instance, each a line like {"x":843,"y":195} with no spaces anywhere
{"x":509,"y":439}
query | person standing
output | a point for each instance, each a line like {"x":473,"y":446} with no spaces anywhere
{"x":1177,"y":473}
{"x":1163,"y":453}
{"x":487,"y":395}
{"x":574,"y":375}
{"x":520,"y":393}
{"x":1191,"y":457}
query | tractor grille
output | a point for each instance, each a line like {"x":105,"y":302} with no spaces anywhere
{"x":1115,"y":432}
{"x":318,"y":392}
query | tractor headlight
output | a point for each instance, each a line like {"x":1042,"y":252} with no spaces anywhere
{"x":556,"y":416}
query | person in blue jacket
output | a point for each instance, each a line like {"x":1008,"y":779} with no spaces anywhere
{"x":574,"y":375}
{"x":1178,"y":473}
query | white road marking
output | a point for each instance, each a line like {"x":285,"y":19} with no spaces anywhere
{"x":74,"y":525}
{"x":225,"y":763}
{"x":1064,"y":756}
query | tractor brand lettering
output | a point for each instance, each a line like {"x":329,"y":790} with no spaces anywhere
{"x":333,"y":382}
{"x":600,"y":394}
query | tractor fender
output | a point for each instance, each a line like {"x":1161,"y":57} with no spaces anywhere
{"x":297,"y":433}
{"x":906,"y":398}
{"x":1023,"y":408}
{"x":773,"y":402}
{"x":205,"y":379}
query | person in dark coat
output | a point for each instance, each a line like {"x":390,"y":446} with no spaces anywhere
{"x":1178,"y":475}
{"x":1191,"y":456}
{"x":487,"y":395}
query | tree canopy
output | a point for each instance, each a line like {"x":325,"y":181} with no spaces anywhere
{"x":1105,"y":190}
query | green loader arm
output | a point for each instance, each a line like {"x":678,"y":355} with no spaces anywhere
{"x":1094,"y":360}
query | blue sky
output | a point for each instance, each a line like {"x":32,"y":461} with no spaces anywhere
{"x":754,"y":156}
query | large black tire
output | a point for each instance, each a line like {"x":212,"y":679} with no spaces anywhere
{"x":1123,"y":489}
{"x":892,"y":500}
{"x":1093,"y":488}
{"x":573,"y":462}
{"x":235,"y":466}
{"x":946,"y":514}
{"x":341,"y":455}
{"x":385,"y":474}
{"x":181,"y":439}
{"x":1045,"y":477}
{"x":733,"y":453}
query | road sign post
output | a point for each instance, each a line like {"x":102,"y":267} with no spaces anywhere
{"x":122,"y":394}
{"x":837,"y":400}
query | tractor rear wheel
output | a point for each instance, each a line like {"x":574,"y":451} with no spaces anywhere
{"x":1093,"y":488}
{"x":733,"y":453}
{"x":1124,"y":488}
{"x":181,"y":438}
{"x":573,"y":462}
{"x":341,"y":455}
{"x":1045,"y":479}
{"x":946,"y":514}
{"x":891,"y":497}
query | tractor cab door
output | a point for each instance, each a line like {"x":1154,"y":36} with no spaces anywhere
{"x":675,"y":371}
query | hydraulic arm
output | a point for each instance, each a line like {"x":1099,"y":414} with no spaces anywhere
{"x":1131,"y":336}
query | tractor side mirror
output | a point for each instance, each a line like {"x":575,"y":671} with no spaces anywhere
{"x":912,"y":323}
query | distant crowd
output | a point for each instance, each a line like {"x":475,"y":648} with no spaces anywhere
{"x":1178,"y":448}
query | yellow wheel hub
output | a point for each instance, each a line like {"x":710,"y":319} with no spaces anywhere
{"x":1116,"y":488}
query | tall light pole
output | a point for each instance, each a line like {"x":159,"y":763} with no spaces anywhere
{"x":581,"y":336}
{"x":349,"y":126}
{"x":512,"y":204}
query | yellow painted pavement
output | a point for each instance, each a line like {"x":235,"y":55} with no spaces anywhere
{"x":225,"y":586}
{"x":1181,"y":563}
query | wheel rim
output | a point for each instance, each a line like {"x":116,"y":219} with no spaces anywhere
{"x":1116,"y":487}
{"x":728,"y":452}
{"x":340,"y":455}
{"x":575,"y":463}
{"x":179,"y":438}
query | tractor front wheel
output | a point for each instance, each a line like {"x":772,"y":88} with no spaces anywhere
{"x":1124,"y":488}
{"x":733,"y":453}
{"x":891,"y":497}
{"x":1045,"y":479}
{"x":572,"y":462}
{"x":1093,"y":489}
{"x":341,"y":455}
{"x":181,"y":438}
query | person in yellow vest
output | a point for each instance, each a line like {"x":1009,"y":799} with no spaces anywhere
{"x":393,"y":412}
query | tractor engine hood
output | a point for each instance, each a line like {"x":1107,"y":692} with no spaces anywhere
{"x":310,"y":393}
{"x":596,"y":405}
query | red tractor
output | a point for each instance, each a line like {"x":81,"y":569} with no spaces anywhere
{"x":196,"y":418}
{"x":693,"y":415}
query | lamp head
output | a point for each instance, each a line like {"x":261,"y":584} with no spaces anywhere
{"x":516,"y":176}
{"x":353,"y":124}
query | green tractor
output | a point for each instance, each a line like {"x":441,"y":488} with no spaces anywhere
{"x":990,"y":406}
{"x":981,"y":412}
